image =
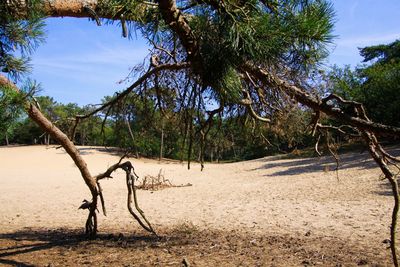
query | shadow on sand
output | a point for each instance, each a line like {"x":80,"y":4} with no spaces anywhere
{"x":361,"y":160}
{"x":114,"y":151}
{"x":18,"y":243}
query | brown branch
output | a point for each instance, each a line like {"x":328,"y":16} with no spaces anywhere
{"x":130,"y":173}
{"x":316,"y":145}
{"x":175,"y":19}
{"x":103,"y":206}
{"x":248,"y":102}
{"x":315,"y":122}
{"x":113,"y":168}
{"x":123,"y":94}
{"x":37,"y":116}
{"x":162,"y":49}
{"x":303,"y":97}
{"x":338,"y":129}
{"x":144,"y":77}
{"x":71,"y":8}
{"x":375,"y":151}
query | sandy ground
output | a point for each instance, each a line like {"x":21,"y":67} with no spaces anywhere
{"x":269,"y":202}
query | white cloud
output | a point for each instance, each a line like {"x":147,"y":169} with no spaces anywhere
{"x":360,"y":41}
{"x":353,"y":9}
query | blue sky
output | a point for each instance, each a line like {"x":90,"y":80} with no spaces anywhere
{"x":363,"y":23}
{"x":81,"y":62}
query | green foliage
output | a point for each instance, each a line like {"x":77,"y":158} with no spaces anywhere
{"x":10,"y":110}
{"x":131,"y":15}
{"x":382,"y":53}
{"x":295,"y":34}
{"x":290,"y":35}
{"x":19,"y":38}
{"x":344,"y":82}
{"x":377,"y":85}
{"x":380,"y":92}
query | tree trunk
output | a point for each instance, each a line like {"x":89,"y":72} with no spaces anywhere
{"x":162,"y":141}
{"x":7,"y":144}
{"x":218,"y":153}
{"x":47,"y":138}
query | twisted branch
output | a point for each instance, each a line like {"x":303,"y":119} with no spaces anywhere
{"x":130,"y":179}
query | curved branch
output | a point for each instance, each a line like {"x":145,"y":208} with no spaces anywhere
{"x":303,"y":97}
{"x":177,"y":66}
{"x":130,"y":172}
{"x":247,"y":102}
{"x":121,"y":95}
{"x":37,"y":116}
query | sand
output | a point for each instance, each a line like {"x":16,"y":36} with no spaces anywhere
{"x":40,"y":188}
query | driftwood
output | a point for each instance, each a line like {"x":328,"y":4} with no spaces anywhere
{"x":130,"y":184}
{"x":159,"y":182}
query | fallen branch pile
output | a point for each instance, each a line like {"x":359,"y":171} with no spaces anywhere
{"x":159,"y":182}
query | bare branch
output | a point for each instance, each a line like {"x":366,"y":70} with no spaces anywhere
{"x":317,"y":144}
{"x":247,"y":102}
{"x":305,"y":98}
{"x":121,"y":95}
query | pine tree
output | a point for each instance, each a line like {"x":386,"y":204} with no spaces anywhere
{"x":211,"y":58}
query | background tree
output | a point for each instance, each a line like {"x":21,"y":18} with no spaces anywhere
{"x":10,"y":111}
{"x":375,"y":85}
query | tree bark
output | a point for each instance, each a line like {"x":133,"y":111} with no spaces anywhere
{"x":303,"y":97}
{"x":59,"y":8}
{"x":162,"y":140}
{"x":37,"y":116}
{"x":6,"y":135}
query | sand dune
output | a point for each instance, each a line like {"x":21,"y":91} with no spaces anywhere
{"x":41,"y":188}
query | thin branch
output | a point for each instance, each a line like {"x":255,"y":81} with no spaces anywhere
{"x":121,"y":95}
{"x":305,"y":98}
{"x":169,"y":53}
{"x":317,"y":144}
{"x":103,"y":206}
{"x":248,"y":103}
{"x":370,"y":139}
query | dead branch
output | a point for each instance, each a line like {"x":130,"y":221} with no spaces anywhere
{"x":159,"y":182}
{"x":37,"y":116}
{"x":248,"y":103}
{"x":103,"y":206}
{"x":130,"y":179}
{"x":305,"y":98}
{"x":164,"y":50}
{"x":91,"y":181}
{"x":378,"y":155}
{"x":317,"y":144}
{"x":130,"y":183}
{"x":123,"y":94}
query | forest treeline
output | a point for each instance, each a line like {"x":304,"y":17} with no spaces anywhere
{"x":230,"y":138}
{"x":138,"y":124}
